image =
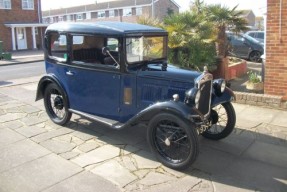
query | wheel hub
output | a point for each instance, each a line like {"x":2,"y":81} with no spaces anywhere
{"x":58,"y":103}
{"x":167,"y":142}
{"x":214,"y":117}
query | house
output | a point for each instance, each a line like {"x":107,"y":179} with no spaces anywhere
{"x":121,"y":10}
{"x":259,"y":23}
{"x":250,"y":17}
{"x":20,"y":24}
{"x":276,"y":49}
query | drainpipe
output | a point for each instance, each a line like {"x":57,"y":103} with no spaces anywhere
{"x":280,"y":22}
{"x":39,"y":11}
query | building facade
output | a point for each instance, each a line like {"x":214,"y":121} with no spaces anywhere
{"x":276,"y":49}
{"x":20,"y":26}
{"x":122,"y":10}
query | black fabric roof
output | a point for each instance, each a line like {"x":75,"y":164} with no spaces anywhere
{"x":108,"y":28}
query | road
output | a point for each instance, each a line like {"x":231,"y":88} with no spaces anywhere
{"x":21,"y":71}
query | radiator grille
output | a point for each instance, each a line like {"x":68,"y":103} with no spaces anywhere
{"x":204,"y":101}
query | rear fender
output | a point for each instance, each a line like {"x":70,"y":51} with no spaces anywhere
{"x":44,"y":81}
{"x":226,"y":96}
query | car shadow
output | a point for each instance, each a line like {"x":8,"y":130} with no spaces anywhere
{"x":244,"y":159}
{"x":2,"y":83}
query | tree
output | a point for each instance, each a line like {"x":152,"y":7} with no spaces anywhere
{"x":224,"y":18}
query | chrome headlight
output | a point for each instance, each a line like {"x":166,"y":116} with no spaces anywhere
{"x":219,"y":86}
{"x":192,"y":96}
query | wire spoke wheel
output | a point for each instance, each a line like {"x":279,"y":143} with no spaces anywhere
{"x":173,"y":141}
{"x":223,"y":120}
{"x":55,"y":105}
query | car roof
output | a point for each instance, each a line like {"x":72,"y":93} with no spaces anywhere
{"x":105,"y":28}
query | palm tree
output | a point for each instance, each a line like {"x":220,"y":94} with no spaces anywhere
{"x":222,"y":17}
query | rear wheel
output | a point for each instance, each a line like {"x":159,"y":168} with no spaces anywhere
{"x":255,"y":56}
{"x":223,"y":121}
{"x":173,"y":141}
{"x":56,"y":105}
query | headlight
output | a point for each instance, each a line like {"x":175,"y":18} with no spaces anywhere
{"x":219,"y":86}
{"x":192,"y":96}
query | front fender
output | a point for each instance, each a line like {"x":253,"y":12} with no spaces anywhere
{"x":177,"y":108}
{"x":44,"y":81}
{"x":226,"y":96}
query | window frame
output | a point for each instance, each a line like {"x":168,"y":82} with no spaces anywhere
{"x":125,"y":12}
{"x":3,"y":4}
{"x":29,"y":3}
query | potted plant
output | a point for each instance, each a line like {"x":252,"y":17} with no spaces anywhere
{"x":254,"y":82}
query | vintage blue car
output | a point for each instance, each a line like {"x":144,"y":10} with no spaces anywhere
{"x":117,"y":74}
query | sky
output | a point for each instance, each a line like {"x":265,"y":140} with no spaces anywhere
{"x":258,"y":6}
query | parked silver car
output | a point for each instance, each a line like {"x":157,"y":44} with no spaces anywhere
{"x":258,"y":35}
{"x":245,"y":47}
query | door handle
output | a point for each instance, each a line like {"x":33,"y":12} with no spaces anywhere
{"x":69,"y":73}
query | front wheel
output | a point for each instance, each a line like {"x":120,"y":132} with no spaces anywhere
{"x":56,"y":105}
{"x":223,"y":120}
{"x":255,"y":56}
{"x":173,"y":141}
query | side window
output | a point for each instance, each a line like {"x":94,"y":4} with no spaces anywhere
{"x":112,"y":44}
{"x":58,"y":46}
{"x":87,"y":50}
{"x":260,"y":35}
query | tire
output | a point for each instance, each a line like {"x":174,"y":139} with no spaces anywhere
{"x":56,"y":105}
{"x":223,"y":120}
{"x":255,"y":56}
{"x":177,"y":152}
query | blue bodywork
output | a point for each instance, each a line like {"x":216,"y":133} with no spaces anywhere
{"x":130,"y":93}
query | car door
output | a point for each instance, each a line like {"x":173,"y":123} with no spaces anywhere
{"x":94,"y":88}
{"x":240,"y":46}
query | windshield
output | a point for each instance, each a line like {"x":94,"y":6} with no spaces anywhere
{"x":145,"y":48}
{"x":251,"y":39}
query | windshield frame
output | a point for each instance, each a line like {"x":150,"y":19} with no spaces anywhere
{"x":164,"y":52}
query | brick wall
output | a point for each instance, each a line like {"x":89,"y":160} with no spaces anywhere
{"x":16,"y":15}
{"x":276,"y":49}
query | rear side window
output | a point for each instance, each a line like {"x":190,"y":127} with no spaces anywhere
{"x":58,"y":46}
{"x":260,"y":35}
{"x":251,"y":34}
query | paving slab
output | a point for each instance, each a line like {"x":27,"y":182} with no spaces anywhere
{"x":13,"y":124}
{"x":84,"y":182}
{"x":31,"y":120}
{"x":145,"y":160}
{"x":51,"y":134}
{"x":37,"y":175}
{"x":98,"y":155}
{"x":86,"y":147}
{"x":19,"y":153}
{"x":11,"y":117}
{"x":232,"y":144}
{"x":268,"y":153}
{"x":31,"y":131}
{"x":117,"y":173}
{"x":259,"y":175}
{"x":212,"y":161}
{"x":58,"y":146}
{"x":8,"y":136}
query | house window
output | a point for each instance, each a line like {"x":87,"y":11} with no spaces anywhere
{"x":111,"y":13}
{"x":28,"y":4}
{"x":139,"y":11}
{"x":5,"y":4}
{"x":101,"y":14}
{"x":79,"y":16}
{"x":127,"y":12}
{"x":61,"y":18}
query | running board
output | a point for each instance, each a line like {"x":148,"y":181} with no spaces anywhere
{"x":111,"y":123}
